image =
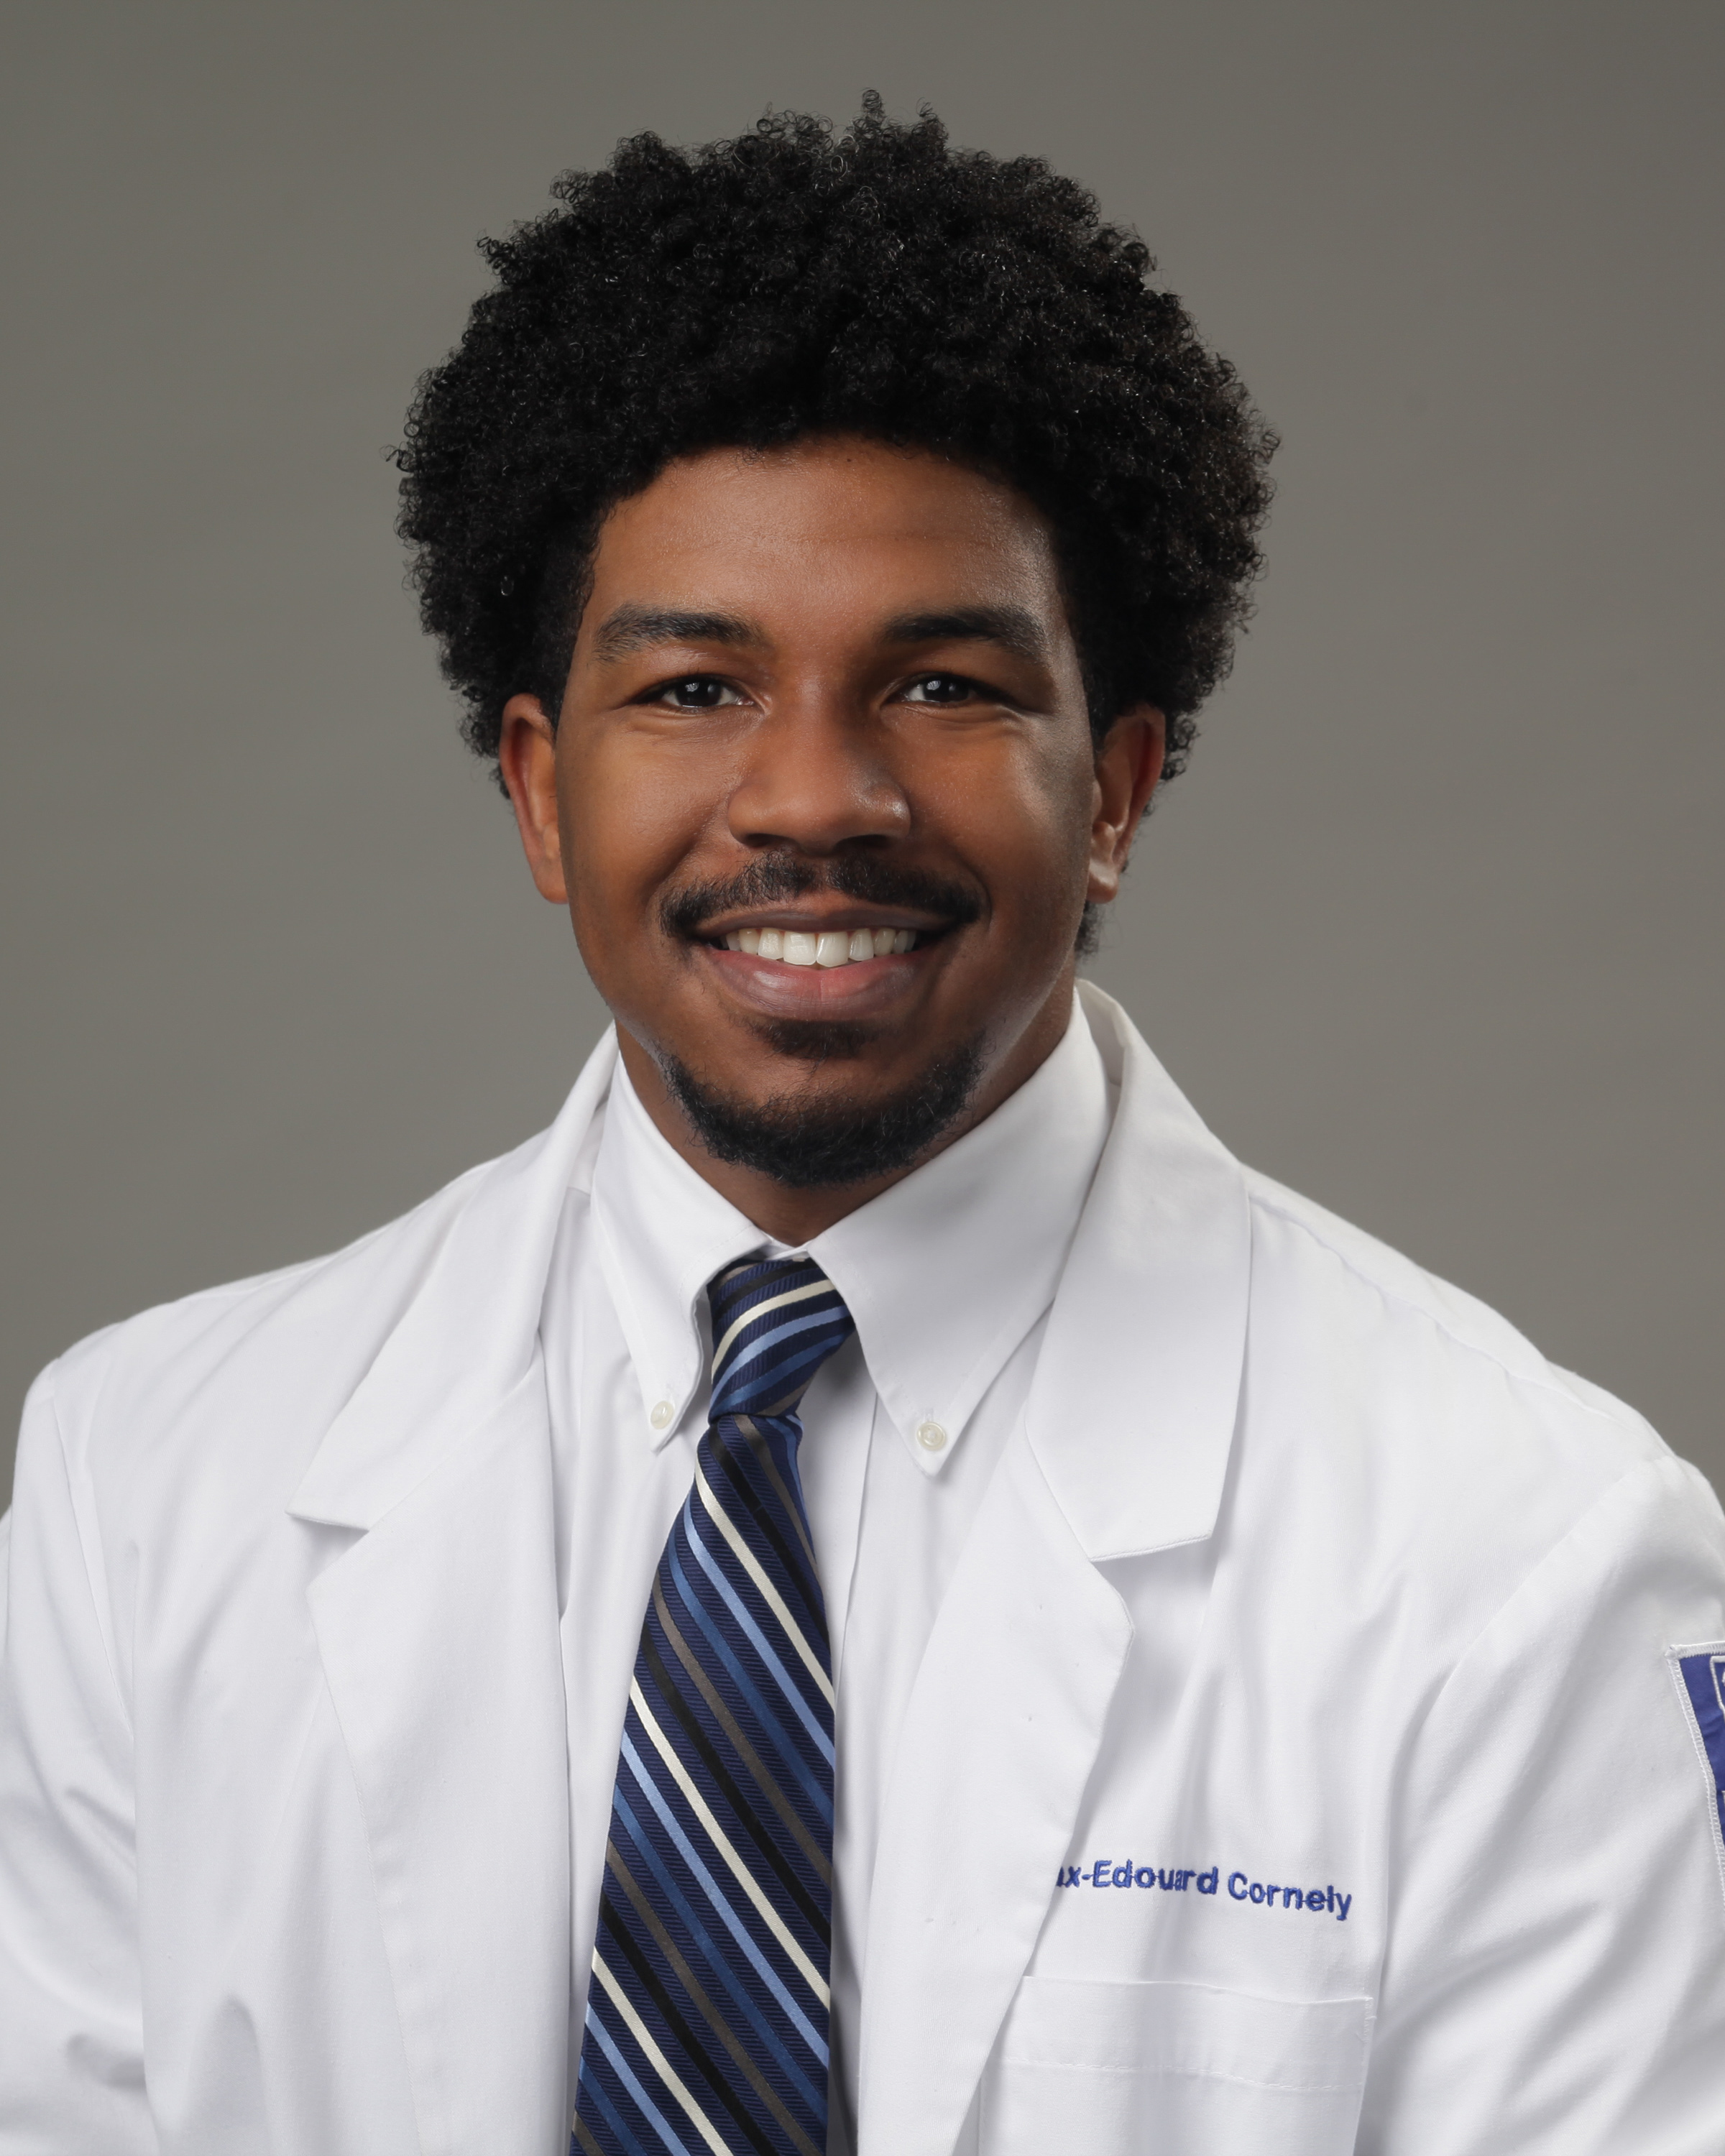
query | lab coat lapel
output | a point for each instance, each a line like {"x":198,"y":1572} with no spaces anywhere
{"x":1001,"y":1735}
{"x":438,"y":1631}
{"x":1123,"y":1451}
{"x":439,"y":1635}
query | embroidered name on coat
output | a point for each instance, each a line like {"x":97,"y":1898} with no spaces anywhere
{"x":1105,"y":1872}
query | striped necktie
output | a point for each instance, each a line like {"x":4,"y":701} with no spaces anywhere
{"x":707,"y":2012}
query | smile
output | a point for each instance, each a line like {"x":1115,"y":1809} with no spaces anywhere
{"x":830,"y":947}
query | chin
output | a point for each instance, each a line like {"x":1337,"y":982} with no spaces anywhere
{"x":832,"y":1142}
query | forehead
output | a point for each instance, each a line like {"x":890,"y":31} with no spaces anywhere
{"x":842,"y":531}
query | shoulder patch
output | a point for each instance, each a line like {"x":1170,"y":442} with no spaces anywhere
{"x":1700,"y":1674}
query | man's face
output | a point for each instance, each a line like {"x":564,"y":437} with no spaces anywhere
{"x":824,"y":701}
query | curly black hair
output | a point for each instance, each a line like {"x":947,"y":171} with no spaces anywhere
{"x":795,"y":282}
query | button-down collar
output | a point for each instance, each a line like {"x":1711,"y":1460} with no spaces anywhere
{"x":944,"y":1273}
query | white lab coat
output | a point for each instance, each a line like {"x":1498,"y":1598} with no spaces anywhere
{"x":1304,"y":1572}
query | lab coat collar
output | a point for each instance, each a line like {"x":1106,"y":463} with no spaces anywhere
{"x":469,"y":1330}
{"x":1131,"y":1411}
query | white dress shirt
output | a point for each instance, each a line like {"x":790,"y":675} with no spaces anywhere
{"x":948,"y":1276}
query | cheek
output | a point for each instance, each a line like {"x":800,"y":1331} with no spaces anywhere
{"x":628,"y":818}
{"x":1024,"y":821}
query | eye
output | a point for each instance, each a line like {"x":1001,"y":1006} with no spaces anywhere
{"x":695,"y":692}
{"x":939,"y":689}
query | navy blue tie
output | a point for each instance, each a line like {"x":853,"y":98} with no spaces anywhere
{"x":707,"y":2008}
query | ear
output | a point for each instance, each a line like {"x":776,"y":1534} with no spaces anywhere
{"x":1128,"y":769}
{"x":527,"y":758}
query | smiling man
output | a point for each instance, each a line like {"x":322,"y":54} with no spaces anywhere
{"x":872,"y":1589}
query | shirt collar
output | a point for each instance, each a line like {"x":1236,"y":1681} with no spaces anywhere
{"x":944,"y":1274}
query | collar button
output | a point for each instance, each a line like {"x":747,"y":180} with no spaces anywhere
{"x":931,"y":1436}
{"x":660,"y":1418}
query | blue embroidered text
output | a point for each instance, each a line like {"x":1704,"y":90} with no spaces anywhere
{"x":1105,"y":1872}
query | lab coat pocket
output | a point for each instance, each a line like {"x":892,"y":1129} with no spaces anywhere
{"x":1097,"y":2068}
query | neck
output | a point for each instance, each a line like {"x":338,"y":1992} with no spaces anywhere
{"x":794,"y":1215}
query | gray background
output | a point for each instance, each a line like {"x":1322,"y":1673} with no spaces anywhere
{"x":1431,"y":929}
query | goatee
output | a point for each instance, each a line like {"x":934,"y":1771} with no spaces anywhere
{"x":828,"y":1145}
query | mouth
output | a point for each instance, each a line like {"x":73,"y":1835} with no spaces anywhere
{"x":854,"y":963}
{"x":856,"y":943}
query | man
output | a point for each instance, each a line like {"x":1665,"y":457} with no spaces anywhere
{"x":871,"y":1588}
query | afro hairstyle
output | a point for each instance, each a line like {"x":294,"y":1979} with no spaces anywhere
{"x":795,"y":282}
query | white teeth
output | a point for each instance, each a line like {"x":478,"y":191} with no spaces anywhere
{"x":832,"y":946}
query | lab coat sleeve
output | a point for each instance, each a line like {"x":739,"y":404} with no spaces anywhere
{"x":71,"y":2048}
{"x":1555,"y":1979}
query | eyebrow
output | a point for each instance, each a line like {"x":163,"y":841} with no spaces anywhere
{"x":635,"y":628}
{"x":631,"y":629}
{"x":1015,"y":629}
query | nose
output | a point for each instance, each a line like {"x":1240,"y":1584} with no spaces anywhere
{"x":815,"y":777}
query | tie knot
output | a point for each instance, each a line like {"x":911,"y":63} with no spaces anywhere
{"x":775,"y":1322}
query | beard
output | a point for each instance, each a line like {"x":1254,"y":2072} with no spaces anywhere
{"x":808,"y":1147}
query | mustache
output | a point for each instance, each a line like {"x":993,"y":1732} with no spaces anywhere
{"x":863,"y":876}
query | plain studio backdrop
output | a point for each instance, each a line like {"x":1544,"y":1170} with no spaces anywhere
{"x":1431,"y":929}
